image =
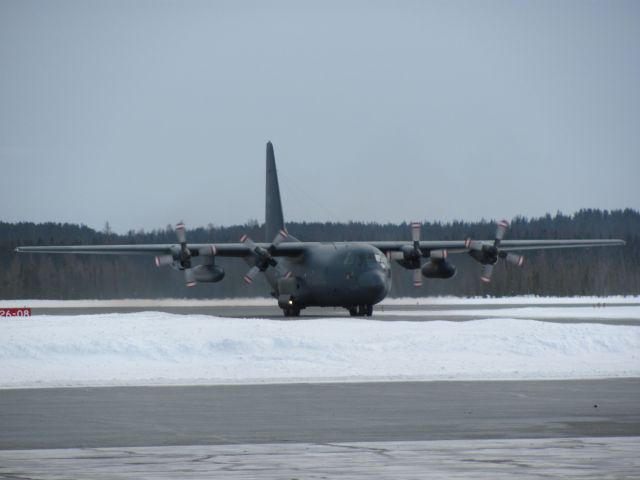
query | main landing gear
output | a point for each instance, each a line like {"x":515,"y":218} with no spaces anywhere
{"x":361,"y":310}
{"x":291,"y":311}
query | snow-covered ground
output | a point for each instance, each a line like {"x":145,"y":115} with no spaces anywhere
{"x":152,"y":348}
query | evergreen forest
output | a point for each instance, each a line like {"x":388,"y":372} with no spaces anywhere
{"x":593,"y":271}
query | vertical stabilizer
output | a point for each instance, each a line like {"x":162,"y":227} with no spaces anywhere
{"x":273,"y":219}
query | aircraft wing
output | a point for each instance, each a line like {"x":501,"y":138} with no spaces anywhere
{"x":220,"y":249}
{"x":241,"y":250}
{"x":178,"y":255}
{"x":516,"y":245}
{"x":459,"y":246}
{"x":99,"y":249}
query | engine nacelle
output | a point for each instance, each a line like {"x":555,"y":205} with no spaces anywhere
{"x":408,"y":258}
{"x":438,"y":269}
{"x":208,"y":273}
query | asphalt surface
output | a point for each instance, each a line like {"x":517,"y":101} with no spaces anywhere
{"x":577,"y":458}
{"x":273,"y":312}
{"x":317,"y":413}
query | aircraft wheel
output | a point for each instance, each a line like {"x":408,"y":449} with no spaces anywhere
{"x":353,"y":311}
{"x":362,"y":310}
{"x":369,"y":310}
{"x":291,"y":312}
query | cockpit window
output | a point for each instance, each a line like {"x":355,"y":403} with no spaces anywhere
{"x":371,"y":259}
{"x":349,"y":259}
{"x":360,"y":259}
{"x":381,"y":259}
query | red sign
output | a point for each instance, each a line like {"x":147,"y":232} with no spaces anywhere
{"x":15,"y":312}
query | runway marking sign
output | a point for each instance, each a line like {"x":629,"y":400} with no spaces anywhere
{"x":15,"y":312}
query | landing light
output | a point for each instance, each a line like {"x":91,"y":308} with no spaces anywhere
{"x":290,"y":302}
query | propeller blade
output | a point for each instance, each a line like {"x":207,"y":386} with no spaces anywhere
{"x":473,"y":245}
{"x":282,"y":272}
{"x":180,"y":233}
{"x":248,"y":242}
{"x":417,"y":278}
{"x":280,"y":237}
{"x":415,"y":231}
{"x":517,"y":260}
{"x":190,"y":277}
{"x":251,"y":274}
{"x":207,"y":251}
{"x":501,"y":229}
{"x":163,"y":260}
{"x":487,"y":271}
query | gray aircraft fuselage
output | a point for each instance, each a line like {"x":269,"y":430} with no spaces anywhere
{"x":346,"y":274}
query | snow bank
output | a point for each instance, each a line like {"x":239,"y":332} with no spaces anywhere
{"x":158,"y":349}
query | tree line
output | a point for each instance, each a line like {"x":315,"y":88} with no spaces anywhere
{"x":596,"y":271}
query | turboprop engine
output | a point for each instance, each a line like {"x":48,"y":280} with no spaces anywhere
{"x":410,"y":256}
{"x":438,"y":269}
{"x":208,"y":273}
{"x":180,"y":259}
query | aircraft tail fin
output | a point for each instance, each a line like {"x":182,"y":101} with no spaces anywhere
{"x":274,"y":220}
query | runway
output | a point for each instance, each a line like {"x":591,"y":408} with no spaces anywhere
{"x":583,"y":458}
{"x":317,"y":413}
{"x":584,"y":429}
{"x":407,"y":312}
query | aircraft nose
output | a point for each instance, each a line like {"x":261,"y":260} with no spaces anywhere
{"x":375,"y":284}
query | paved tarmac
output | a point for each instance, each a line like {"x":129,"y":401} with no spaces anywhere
{"x":317,"y":413}
{"x":273,"y":312}
{"x":584,"y":458}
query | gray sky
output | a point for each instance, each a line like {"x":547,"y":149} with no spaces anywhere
{"x":144,"y":113}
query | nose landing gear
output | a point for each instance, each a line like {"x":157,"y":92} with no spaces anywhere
{"x":289,"y":306}
{"x":360,"y":310}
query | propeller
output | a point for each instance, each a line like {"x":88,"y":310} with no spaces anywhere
{"x":264,"y":256}
{"x":416,"y":253}
{"x":410,"y":256}
{"x":180,"y":256}
{"x":488,"y":255}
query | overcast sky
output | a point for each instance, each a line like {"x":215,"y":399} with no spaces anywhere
{"x":144,"y":113}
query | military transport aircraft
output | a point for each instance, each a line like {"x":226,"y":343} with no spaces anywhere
{"x":353,"y":275}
